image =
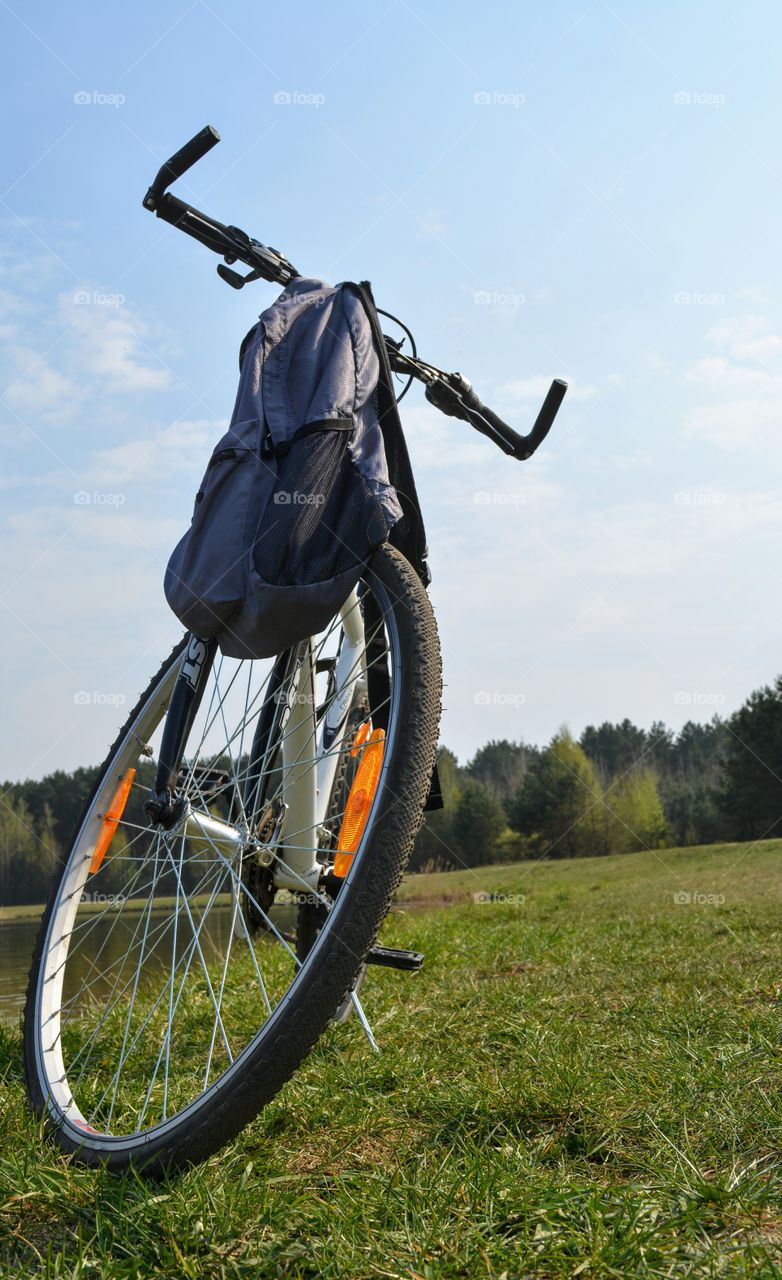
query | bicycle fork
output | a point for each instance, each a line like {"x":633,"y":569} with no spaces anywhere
{"x":164,"y":806}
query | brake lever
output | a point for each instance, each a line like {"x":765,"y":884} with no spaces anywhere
{"x":267,"y":263}
{"x":446,"y":397}
{"x":234,"y":279}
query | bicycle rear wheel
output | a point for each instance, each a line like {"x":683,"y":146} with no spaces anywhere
{"x":167,"y":1002}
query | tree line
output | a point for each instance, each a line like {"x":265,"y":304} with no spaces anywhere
{"x":615,"y":789}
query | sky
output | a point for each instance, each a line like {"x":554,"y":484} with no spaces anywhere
{"x":578,"y":190}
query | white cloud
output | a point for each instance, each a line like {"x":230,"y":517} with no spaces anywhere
{"x":745,"y":338}
{"x":39,"y":390}
{"x":606,"y":615}
{"x":747,"y":379}
{"x":437,"y":441}
{"x":107,"y":343}
{"x":94,"y":350}
{"x":738,"y":424}
{"x":725,"y":374}
{"x":183,"y":448}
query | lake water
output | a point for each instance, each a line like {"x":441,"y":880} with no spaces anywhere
{"x":17,"y":939}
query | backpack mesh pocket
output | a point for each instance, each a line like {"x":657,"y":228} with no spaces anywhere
{"x":322,"y":518}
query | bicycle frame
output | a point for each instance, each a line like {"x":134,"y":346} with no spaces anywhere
{"x":288,"y":720}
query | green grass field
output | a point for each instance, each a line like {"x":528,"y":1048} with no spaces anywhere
{"x":583,"y":1081}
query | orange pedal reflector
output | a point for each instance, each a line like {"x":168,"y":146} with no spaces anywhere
{"x":111,"y":820}
{"x":362,"y":793}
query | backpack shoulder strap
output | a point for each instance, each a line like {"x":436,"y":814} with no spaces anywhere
{"x":246,"y":340}
{"x":408,"y":534}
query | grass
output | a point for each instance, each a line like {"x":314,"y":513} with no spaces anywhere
{"x":584,"y":1080}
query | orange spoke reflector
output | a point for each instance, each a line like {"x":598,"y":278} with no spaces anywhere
{"x":111,"y":820}
{"x":362,"y":793}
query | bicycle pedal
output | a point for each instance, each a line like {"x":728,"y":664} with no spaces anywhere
{"x":392,"y":958}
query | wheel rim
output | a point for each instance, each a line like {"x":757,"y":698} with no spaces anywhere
{"x":148,"y":999}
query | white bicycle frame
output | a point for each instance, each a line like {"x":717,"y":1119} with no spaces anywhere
{"x":306,"y":790}
{"x":309,"y":761}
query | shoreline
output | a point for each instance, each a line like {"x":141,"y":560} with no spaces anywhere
{"x":432,"y":889}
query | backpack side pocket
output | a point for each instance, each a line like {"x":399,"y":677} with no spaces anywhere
{"x":205,"y":578}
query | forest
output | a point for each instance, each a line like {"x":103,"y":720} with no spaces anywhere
{"x":615,"y":789}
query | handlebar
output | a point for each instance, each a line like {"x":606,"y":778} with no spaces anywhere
{"x":233,"y":244}
{"x":451,"y":393}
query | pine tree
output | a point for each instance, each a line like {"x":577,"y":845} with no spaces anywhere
{"x":751,"y":795}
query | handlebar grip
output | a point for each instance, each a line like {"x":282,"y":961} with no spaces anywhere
{"x":193,"y":150}
{"x":180,"y":162}
{"x":545,"y":419}
{"x":517,"y":446}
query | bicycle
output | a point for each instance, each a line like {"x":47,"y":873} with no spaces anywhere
{"x":222,"y":894}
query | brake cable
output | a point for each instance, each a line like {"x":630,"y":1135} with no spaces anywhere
{"x":413,"y":348}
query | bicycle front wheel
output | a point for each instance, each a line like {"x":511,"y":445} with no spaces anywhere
{"x":167,"y":1002}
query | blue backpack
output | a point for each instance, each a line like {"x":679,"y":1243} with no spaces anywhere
{"x":310,"y":478}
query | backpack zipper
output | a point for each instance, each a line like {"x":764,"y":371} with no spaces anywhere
{"x":222,"y":456}
{"x":267,"y":444}
{"x":225,"y":455}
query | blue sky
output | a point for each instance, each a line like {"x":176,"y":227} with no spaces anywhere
{"x":587,"y":190}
